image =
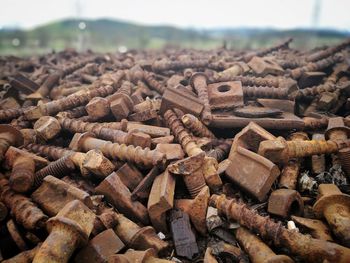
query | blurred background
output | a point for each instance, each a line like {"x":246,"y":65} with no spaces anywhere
{"x":39,"y":26}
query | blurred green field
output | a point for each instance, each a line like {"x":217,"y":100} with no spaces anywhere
{"x":110,"y":35}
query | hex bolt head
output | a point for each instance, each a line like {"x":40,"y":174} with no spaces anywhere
{"x":98,"y":107}
{"x":47,"y":127}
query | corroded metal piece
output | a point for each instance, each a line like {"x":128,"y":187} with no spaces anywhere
{"x":305,"y":247}
{"x":69,"y":229}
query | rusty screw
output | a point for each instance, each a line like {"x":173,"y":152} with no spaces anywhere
{"x":199,"y":83}
{"x":289,"y":175}
{"x":146,"y":157}
{"x":196,"y":126}
{"x":280,"y":150}
{"x":310,"y":249}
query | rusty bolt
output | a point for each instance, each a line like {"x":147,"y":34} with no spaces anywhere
{"x":119,"y":195}
{"x":161,"y":199}
{"x":307,"y":248}
{"x":290,"y":172}
{"x":196,"y":126}
{"x":100,"y":248}
{"x":69,"y":229}
{"x":121,"y":103}
{"x":335,"y":207}
{"x":280,"y":150}
{"x":146,"y":157}
{"x":98,"y":107}
{"x":199,"y":83}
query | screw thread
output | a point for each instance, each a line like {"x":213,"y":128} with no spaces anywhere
{"x":298,"y":149}
{"x":9,"y":114}
{"x":58,"y":168}
{"x":130,"y":153}
{"x":265,"y":92}
{"x":153,"y":83}
{"x":51,"y":152}
{"x":265,"y":51}
{"x":159,"y":66}
{"x":316,"y":66}
{"x":196,"y":126}
{"x":344,"y":157}
{"x":125,"y":88}
{"x":180,"y":133}
{"x":327,"y":52}
{"x":22,"y":208}
{"x":78,"y":126}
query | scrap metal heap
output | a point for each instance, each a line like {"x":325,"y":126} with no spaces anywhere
{"x":176,"y":155}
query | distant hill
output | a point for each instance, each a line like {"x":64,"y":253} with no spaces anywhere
{"x":109,"y":35}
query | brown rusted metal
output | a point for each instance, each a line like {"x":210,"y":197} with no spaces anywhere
{"x":334,"y":206}
{"x":290,"y":172}
{"x":100,"y":248}
{"x":54,"y":194}
{"x":22,"y":208}
{"x":316,"y":228}
{"x":144,"y":187}
{"x":305,"y":247}
{"x":254,"y":173}
{"x":196,"y":209}
{"x":196,"y":126}
{"x":161,"y":199}
{"x":138,"y":237}
{"x":258,"y":252}
{"x":69,"y":229}
{"x":119,"y":195}
{"x":146,"y":157}
{"x":285,"y":202}
{"x":146,"y":256}
{"x":23,"y":257}
{"x":280,"y":150}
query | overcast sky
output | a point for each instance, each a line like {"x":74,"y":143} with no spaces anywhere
{"x":182,"y":13}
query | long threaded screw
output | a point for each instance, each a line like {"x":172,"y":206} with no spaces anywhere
{"x":199,"y":83}
{"x":196,"y":126}
{"x":280,"y":150}
{"x":138,"y":155}
{"x":310,"y":249}
{"x":153,"y":83}
{"x":74,"y":100}
{"x":181,"y":134}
